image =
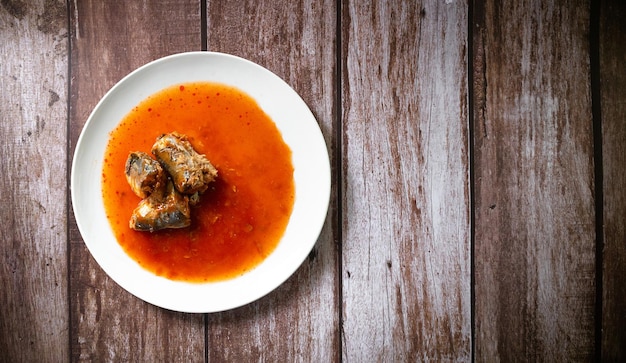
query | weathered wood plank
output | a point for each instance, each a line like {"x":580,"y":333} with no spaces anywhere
{"x":33,"y":190}
{"x":108,"y":40}
{"x":406,"y":204}
{"x":613,"y":110}
{"x":299,"y":321}
{"x":535,"y":219}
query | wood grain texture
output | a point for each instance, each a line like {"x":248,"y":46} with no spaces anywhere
{"x":406,"y":216}
{"x":109,"y":39}
{"x":298,"y":322}
{"x":613,"y":117}
{"x":33,"y":189}
{"x":535,"y":220}
{"x":390,"y":277}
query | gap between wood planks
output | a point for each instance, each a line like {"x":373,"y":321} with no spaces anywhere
{"x":68,"y":173}
{"x":339,"y":171}
{"x":472,"y":221}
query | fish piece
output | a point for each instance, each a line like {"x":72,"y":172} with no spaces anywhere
{"x":191,"y":172}
{"x":144,"y":174}
{"x":164,"y":208}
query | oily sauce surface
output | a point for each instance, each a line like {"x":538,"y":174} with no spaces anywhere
{"x":243,"y":214}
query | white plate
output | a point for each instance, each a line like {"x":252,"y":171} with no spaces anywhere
{"x":311,"y":173}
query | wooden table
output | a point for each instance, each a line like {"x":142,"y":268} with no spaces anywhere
{"x":478,"y":202}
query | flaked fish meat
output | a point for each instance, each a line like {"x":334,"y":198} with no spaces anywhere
{"x":191,"y":172}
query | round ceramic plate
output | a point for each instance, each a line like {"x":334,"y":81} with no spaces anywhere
{"x":311,"y":174}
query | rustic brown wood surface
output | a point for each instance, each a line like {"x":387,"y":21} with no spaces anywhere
{"x":33,"y":182}
{"x":535,"y":219}
{"x":612,"y":64}
{"x":406,"y":221}
{"x":478,"y":202}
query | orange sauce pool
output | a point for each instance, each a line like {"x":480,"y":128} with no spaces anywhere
{"x":243,"y":214}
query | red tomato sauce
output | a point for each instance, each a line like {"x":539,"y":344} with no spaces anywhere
{"x":240,"y":218}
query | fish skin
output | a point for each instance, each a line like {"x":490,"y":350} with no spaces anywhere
{"x":144,"y":174}
{"x":165,"y":208}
